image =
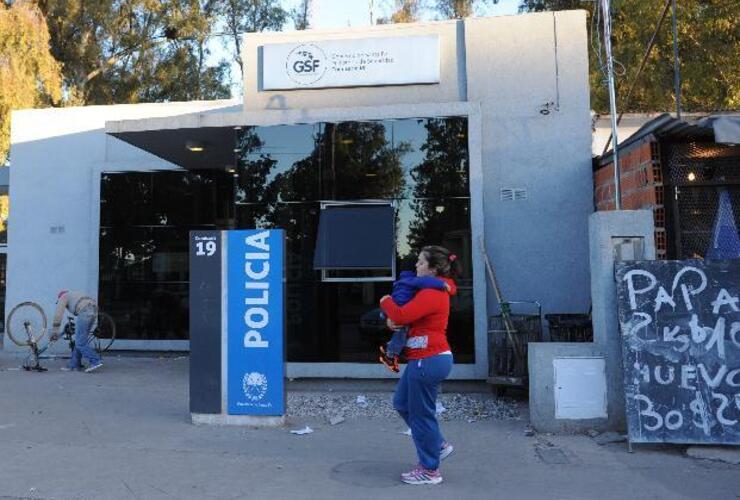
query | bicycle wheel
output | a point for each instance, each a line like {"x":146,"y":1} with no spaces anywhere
{"x":104,"y":332}
{"x":26,"y":324}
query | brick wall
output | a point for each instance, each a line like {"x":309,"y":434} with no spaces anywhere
{"x":641,"y":183}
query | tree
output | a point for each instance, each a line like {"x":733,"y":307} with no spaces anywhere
{"x":29,"y":75}
{"x":443,"y":173}
{"x":709,"y":42}
{"x":301,"y":15}
{"x":409,"y":11}
{"x":458,"y":9}
{"x":405,"y":11}
{"x":117,"y":51}
{"x":252,"y":16}
{"x":455,"y":9}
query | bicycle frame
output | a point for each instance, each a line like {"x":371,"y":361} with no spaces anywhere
{"x":35,"y":353}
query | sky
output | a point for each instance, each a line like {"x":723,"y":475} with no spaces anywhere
{"x":355,"y":13}
{"x":341,"y":13}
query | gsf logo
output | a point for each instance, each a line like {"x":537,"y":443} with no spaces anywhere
{"x":306,"y":64}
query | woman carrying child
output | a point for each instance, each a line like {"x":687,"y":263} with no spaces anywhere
{"x":429,"y":361}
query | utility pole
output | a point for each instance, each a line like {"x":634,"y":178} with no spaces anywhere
{"x":612,"y":100}
{"x":676,"y":63}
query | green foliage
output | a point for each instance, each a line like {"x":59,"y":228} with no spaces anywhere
{"x":709,"y":44}
{"x":123,"y":51}
{"x":404,"y":11}
{"x":251,"y":16}
{"x":301,"y":15}
{"x":444,"y":170}
{"x":458,"y":9}
{"x":29,"y":75}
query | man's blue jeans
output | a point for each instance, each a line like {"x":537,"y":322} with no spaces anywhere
{"x":84,"y":324}
{"x":416,"y":401}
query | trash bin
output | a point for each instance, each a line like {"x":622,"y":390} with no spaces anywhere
{"x":570,"y":327}
{"x":507,"y":350}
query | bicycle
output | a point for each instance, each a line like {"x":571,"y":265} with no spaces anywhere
{"x":27,"y":325}
{"x":101,"y":337}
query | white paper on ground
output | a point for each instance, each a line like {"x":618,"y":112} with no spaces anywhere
{"x":336,"y":420}
{"x":300,"y":432}
{"x":440,"y":408}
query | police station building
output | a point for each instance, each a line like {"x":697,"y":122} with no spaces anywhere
{"x":398,"y":136}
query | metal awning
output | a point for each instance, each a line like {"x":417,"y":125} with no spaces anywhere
{"x":190,"y":148}
{"x":717,"y":127}
{"x":204,"y":139}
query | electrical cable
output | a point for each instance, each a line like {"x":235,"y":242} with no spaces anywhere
{"x":651,"y":43}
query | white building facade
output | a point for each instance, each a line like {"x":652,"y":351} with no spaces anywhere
{"x":474,"y":130}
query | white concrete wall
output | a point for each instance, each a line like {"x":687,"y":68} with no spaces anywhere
{"x":57,"y":156}
{"x":514,"y":65}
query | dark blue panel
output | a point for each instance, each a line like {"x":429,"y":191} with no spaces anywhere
{"x":355,"y":236}
{"x":205,"y":322}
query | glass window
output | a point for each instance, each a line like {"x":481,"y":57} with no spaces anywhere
{"x":4,"y":211}
{"x":127,"y":199}
{"x":300,"y":221}
{"x":147,"y":310}
{"x":146,"y":219}
{"x":278,"y":164}
{"x":358,"y":161}
{"x":284,"y":175}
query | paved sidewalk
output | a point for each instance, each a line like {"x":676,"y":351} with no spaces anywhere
{"x":123,"y":433}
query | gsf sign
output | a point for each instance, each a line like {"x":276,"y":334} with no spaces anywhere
{"x":306,"y":64}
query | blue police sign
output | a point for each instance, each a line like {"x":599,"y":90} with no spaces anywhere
{"x":255,"y":370}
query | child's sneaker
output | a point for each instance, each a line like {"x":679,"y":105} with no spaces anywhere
{"x":420,"y":475}
{"x":390,"y":362}
{"x":446,"y":450}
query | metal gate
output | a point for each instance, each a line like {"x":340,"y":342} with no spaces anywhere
{"x":696,"y":174}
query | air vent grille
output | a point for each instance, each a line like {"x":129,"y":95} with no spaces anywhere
{"x":513,"y":194}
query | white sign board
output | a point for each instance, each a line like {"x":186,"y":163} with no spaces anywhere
{"x":351,"y":63}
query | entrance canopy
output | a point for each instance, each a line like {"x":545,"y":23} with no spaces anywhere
{"x":210,"y":148}
{"x":196,"y":141}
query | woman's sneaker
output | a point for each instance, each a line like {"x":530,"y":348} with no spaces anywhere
{"x":94,"y":367}
{"x":446,"y":450}
{"x":420,"y":475}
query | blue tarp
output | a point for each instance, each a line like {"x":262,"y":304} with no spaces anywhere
{"x":725,"y":240}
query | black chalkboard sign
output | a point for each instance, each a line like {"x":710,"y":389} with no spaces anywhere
{"x":680,"y":326}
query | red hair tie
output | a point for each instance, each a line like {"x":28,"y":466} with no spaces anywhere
{"x":452,"y":257}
